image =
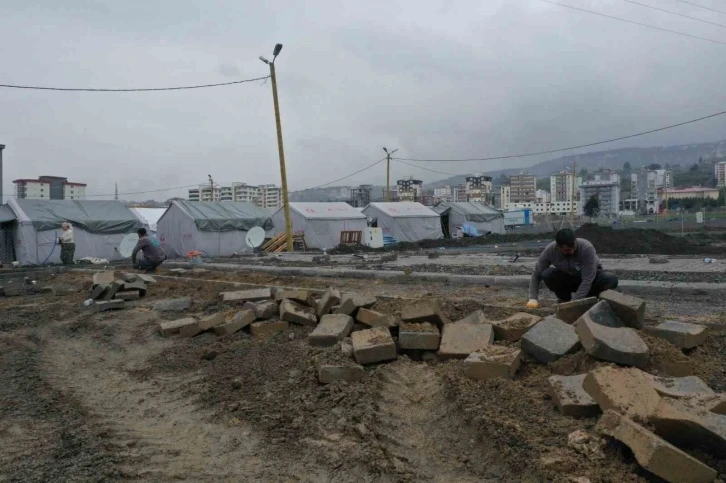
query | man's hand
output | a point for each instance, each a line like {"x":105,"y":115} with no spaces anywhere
{"x":532,"y":304}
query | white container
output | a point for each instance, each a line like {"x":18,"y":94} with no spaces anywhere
{"x":372,"y":237}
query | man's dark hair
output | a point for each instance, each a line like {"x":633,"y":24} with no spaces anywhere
{"x":565,"y":238}
{"x":142,"y":232}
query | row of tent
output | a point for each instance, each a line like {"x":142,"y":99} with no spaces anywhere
{"x":29,"y":228}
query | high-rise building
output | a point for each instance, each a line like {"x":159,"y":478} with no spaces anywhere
{"x":479,"y":188}
{"x":460,"y":193}
{"x":504,"y":197}
{"x":409,"y":189}
{"x":543,"y":196}
{"x":561,"y":186}
{"x":644,"y":187}
{"x":607,"y":193}
{"x":49,"y":187}
{"x":443,"y":194}
{"x":720,"y":169}
{"x":265,"y":196}
{"x":360,"y":197}
{"x":523,"y":188}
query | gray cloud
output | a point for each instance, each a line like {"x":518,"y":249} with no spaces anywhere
{"x":435,"y":79}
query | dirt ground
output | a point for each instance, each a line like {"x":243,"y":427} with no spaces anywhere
{"x":103,"y":397}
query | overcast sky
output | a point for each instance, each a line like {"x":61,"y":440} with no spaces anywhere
{"x":433,"y":79}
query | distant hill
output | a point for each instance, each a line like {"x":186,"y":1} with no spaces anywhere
{"x":684,"y":155}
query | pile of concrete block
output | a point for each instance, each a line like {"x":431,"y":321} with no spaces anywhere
{"x":109,"y":292}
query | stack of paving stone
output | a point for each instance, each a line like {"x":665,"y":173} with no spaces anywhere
{"x":109,"y":293}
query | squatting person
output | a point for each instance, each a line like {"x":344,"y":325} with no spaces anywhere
{"x":67,"y":245}
{"x":153,"y":253}
{"x":569,"y":265}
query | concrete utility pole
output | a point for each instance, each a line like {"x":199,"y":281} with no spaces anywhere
{"x":211,"y":188}
{"x":2,"y":200}
{"x":283,"y":171}
{"x":388,"y":173}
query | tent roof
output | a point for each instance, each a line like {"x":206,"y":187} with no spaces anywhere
{"x":6,"y":214}
{"x":225,"y":215}
{"x":473,"y":211}
{"x":331,"y":211}
{"x":105,"y":217}
{"x":150,"y":216}
{"x":404,"y":209}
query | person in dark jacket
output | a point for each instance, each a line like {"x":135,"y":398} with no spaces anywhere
{"x":151,"y":248}
{"x":569,"y":265}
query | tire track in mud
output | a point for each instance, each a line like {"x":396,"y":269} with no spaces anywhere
{"x":415,"y":429}
{"x":159,"y":433}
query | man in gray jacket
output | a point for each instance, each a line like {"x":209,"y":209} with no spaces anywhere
{"x":569,"y":265}
{"x":151,"y":248}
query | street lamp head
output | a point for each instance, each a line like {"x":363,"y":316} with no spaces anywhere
{"x":264,"y":60}
{"x":276,"y":51}
{"x":386,"y":150}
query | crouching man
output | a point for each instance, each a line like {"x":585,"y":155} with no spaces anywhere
{"x":151,"y":248}
{"x":569,"y":265}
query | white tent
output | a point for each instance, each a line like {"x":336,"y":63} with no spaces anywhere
{"x":479,"y":216}
{"x":321,"y":223}
{"x":406,"y":221}
{"x":215,"y":228}
{"x":98,"y":228}
{"x":149,"y":217}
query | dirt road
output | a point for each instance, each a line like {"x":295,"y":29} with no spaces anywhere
{"x":102,"y":397}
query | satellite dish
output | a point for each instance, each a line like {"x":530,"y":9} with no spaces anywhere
{"x":255,"y":237}
{"x":128,"y":244}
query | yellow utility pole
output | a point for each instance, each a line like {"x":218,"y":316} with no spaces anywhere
{"x":283,"y":171}
{"x":572,"y":195}
{"x":388,"y":173}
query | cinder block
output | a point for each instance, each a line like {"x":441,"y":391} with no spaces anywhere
{"x":136,"y":286}
{"x":631,"y":310}
{"x":268,"y":327}
{"x":620,"y":345}
{"x":680,"y":387}
{"x":99,"y":291}
{"x":549,"y":340}
{"x":680,"y":334}
{"x":105,"y":305}
{"x":458,"y":340}
{"x":424,"y":310}
{"x":115,"y":287}
{"x":350,"y":303}
{"x":264,"y":310}
{"x":205,"y":323}
{"x":169,"y":305}
{"x":329,"y":373}
{"x":172,"y":327}
{"x":626,"y":390}
{"x":571,"y":398}
{"x":653,"y":453}
{"x":681,"y":422}
{"x":299,"y":296}
{"x":246,"y":295}
{"x":493,"y":361}
{"x":241,"y":319}
{"x":297,"y":314}
{"x":330,"y":298}
{"x":371,"y":318}
{"x":422,"y":336}
{"x":373,"y":345}
{"x":513,"y":328}
{"x":332,"y":329}
{"x":569,"y":312}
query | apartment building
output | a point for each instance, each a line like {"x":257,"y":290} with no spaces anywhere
{"x":505,"y":197}
{"x":479,"y":188}
{"x":50,"y":188}
{"x":360,"y":197}
{"x":265,"y":196}
{"x":443,"y":194}
{"x":409,"y":189}
{"x":720,"y":172}
{"x":561,"y":187}
{"x":607,"y":193}
{"x":523,"y":188}
{"x":552,"y":208}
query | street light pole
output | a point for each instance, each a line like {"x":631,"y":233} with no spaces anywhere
{"x":281,"y":151}
{"x":388,"y":173}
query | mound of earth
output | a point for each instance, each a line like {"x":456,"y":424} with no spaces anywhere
{"x":641,"y":241}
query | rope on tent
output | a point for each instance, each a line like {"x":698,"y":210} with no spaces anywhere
{"x":55,"y":242}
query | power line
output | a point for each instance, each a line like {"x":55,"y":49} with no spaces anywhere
{"x":635,"y":23}
{"x":676,"y":13}
{"x":701,"y":6}
{"x":147,"y":89}
{"x":550,"y":151}
{"x":344,"y":177}
{"x":427,"y":169}
{"x":144,"y":192}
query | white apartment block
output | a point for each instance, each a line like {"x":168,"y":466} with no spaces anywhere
{"x":265,"y":196}
{"x":551,"y":208}
{"x":443,"y":194}
{"x":479,"y":188}
{"x":49,"y":188}
{"x":543,"y":196}
{"x":504,"y":196}
{"x":720,"y":169}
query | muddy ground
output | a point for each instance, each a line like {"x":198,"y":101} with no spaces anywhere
{"x":102,"y":397}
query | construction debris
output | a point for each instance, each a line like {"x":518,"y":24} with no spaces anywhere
{"x":331,"y":330}
{"x":428,"y":310}
{"x":550,"y":339}
{"x":296,"y":313}
{"x":371,"y":318}
{"x":569,"y":312}
{"x":329,"y":373}
{"x":493,"y":361}
{"x":653,"y":453}
{"x":241,"y":319}
{"x":108,"y":305}
{"x":680,"y":334}
{"x":204,"y":324}
{"x":460,"y":339}
{"x":571,"y":398}
{"x":373,"y":345}
{"x":631,"y":310}
{"x":513,"y":328}
{"x":330,"y":298}
{"x":681,"y":422}
{"x":350,"y":303}
{"x":170,"y":305}
{"x":626,"y":390}
{"x":172,"y":327}
{"x":246,"y":295}
{"x":268,"y":327}
{"x":680,"y":387}
{"x":421,"y":336}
